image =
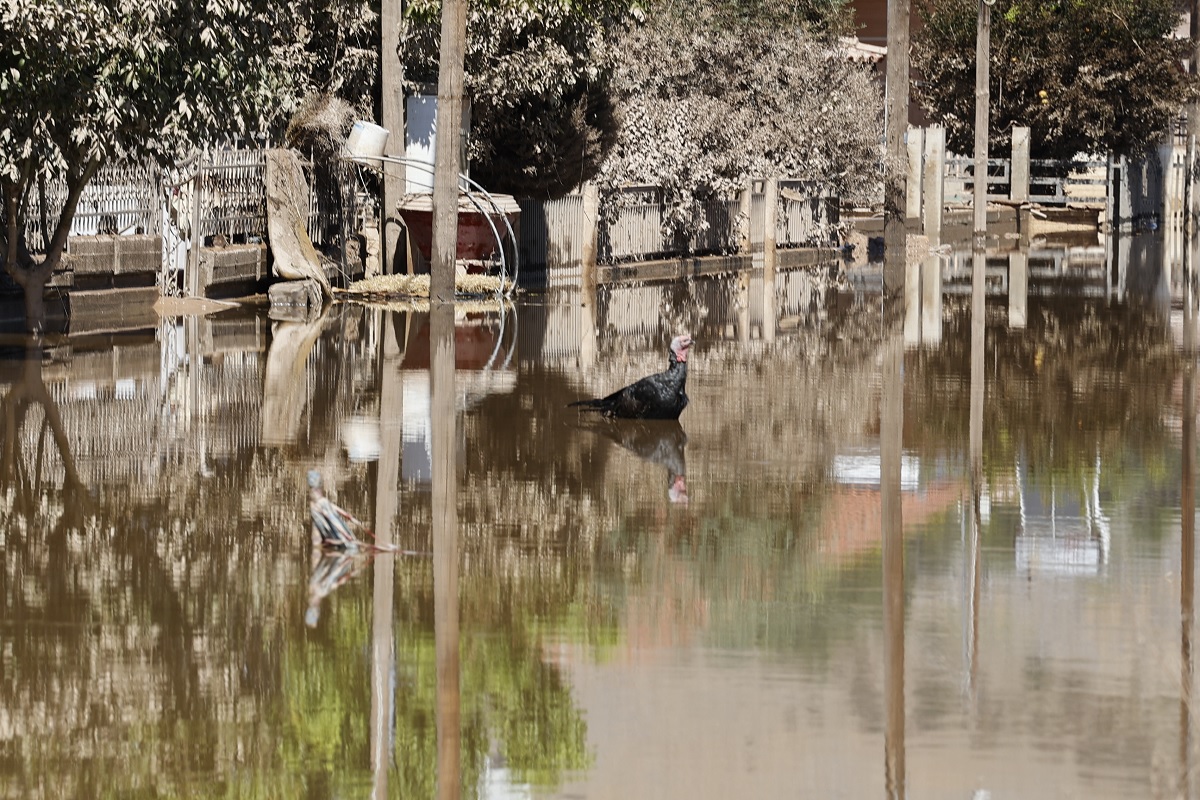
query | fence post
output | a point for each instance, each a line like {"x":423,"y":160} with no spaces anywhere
{"x":916,"y":146}
{"x":194,"y":235}
{"x":745,"y":207}
{"x":591,"y":218}
{"x":1018,"y":189}
{"x":770,"y":217}
{"x":934,"y":180}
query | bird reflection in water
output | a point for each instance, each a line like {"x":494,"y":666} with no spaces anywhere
{"x":659,"y":442}
{"x":330,"y":570}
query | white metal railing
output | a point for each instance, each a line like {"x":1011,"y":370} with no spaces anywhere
{"x":1086,"y":182}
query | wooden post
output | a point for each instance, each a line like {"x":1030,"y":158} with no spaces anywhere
{"x":935,"y":183}
{"x":770,"y":218}
{"x":196,"y":240}
{"x":392,"y":81}
{"x":591,"y":218}
{"x":745,"y":209}
{"x":983,"y":49}
{"x":1193,"y":117}
{"x":894,"y":228}
{"x":447,"y":150}
{"x":1018,"y":190}
{"x":1189,"y":201}
{"x":916,"y":148}
{"x":1123,"y":196}
{"x":588,"y":288}
{"x":742,"y":286}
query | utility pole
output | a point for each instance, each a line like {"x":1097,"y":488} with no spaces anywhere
{"x":392,"y":82}
{"x":895,"y":232}
{"x":446,"y":151}
{"x":1192,"y":211}
{"x":983,"y":54}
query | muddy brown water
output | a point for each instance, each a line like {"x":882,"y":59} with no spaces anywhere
{"x":884,"y":552}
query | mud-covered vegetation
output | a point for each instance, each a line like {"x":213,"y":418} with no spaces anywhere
{"x":1104,"y":76}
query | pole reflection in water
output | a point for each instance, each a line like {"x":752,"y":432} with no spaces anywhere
{"x":923,"y":302}
{"x":445,"y":550}
{"x":386,"y":505}
{"x":891,"y":426}
{"x":743,"y":306}
{"x":769,"y":260}
{"x":1018,"y":289}
{"x":1187,"y":583}
{"x":973,"y":507}
{"x":1187,"y":539}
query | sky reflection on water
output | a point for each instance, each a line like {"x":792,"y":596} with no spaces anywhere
{"x":717,"y":608}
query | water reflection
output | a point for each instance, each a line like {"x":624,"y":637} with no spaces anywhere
{"x":1187,"y":567}
{"x":659,"y":442}
{"x":445,"y":553}
{"x":285,"y":392}
{"x":33,"y":439}
{"x":891,"y":435}
{"x":965,"y":541}
{"x":330,"y":570}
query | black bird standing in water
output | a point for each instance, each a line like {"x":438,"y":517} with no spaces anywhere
{"x":659,"y":396}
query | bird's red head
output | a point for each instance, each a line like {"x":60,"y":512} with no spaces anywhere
{"x":680,"y":346}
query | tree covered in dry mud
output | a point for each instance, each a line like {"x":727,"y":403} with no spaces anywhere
{"x":537,"y":75}
{"x":1101,"y":76}
{"x":714,"y":93}
{"x":693,"y":96}
{"x":90,"y":82}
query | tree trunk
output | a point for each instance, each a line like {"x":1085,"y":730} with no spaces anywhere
{"x":17,"y":261}
{"x":35,"y":304}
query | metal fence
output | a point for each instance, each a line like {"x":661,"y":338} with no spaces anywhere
{"x":807,"y":213}
{"x":1085,"y":182}
{"x":554,"y":233}
{"x":121,"y":198}
{"x":220,"y":190}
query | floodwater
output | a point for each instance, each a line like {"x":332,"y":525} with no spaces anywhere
{"x":938,"y":551}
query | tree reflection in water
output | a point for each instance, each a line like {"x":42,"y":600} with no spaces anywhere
{"x":24,"y":457}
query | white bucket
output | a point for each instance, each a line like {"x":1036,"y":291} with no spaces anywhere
{"x":366,"y":141}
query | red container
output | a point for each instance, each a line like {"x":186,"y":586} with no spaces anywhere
{"x":476,"y":240}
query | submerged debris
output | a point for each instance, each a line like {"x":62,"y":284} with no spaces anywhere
{"x":331,"y":523}
{"x":384,"y":287}
{"x":330,"y":570}
{"x":334,"y":527}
